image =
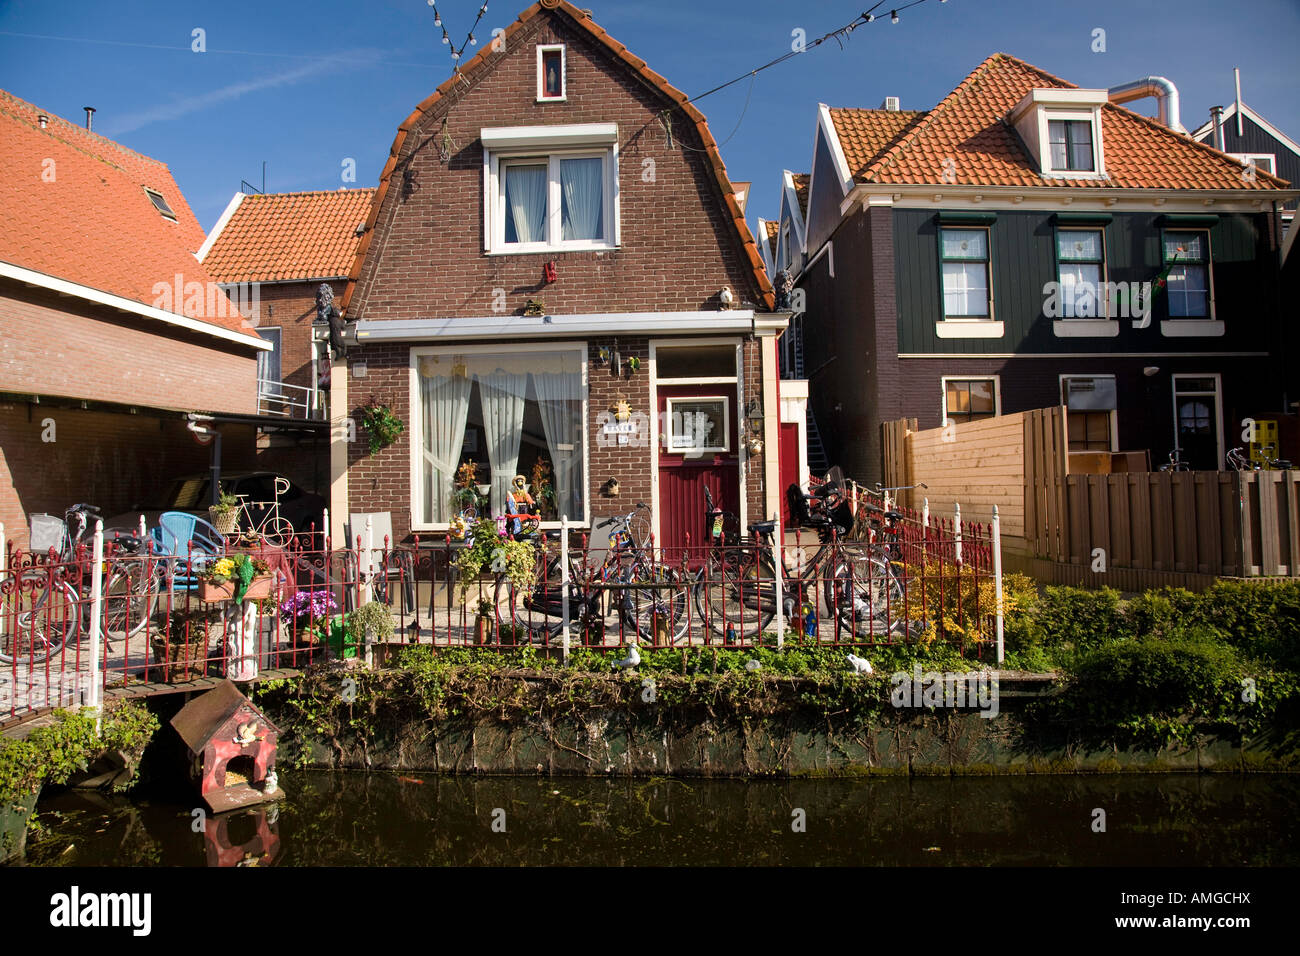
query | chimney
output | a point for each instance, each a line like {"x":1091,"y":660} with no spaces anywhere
{"x":1216,"y":117}
{"x":42,"y":120}
{"x":891,"y":104}
{"x":90,"y":112}
{"x":1163,"y":90}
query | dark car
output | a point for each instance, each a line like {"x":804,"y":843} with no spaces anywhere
{"x":193,"y":493}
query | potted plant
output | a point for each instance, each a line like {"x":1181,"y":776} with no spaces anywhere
{"x":468,"y":494}
{"x":181,"y":648}
{"x":236,"y":578}
{"x":225,"y":513}
{"x":517,"y":560}
{"x":307,"y":614}
{"x":381,"y":424}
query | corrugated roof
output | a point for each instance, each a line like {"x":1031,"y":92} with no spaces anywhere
{"x":282,"y":236}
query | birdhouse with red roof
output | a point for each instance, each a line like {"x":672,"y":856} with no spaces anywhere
{"x":231,"y":746}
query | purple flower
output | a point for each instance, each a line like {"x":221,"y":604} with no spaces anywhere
{"x":309,"y":605}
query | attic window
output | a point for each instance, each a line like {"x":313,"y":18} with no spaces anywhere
{"x":1070,"y":142}
{"x":160,"y":204}
{"x":551,"y":73}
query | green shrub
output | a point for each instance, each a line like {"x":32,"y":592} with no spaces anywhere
{"x":1261,"y":619}
{"x":1077,"y":619}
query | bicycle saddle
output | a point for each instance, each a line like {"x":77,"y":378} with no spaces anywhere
{"x":764,"y":527}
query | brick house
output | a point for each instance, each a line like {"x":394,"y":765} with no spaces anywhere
{"x":989,"y":256}
{"x":111,"y":332}
{"x":557,"y":169}
{"x":289,"y":245}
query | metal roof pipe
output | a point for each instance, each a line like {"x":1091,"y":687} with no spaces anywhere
{"x":1161,"y":88}
{"x":1216,"y":117}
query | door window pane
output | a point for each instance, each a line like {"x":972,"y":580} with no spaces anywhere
{"x":701,"y":361}
{"x":699,"y":424}
{"x":268,"y":363}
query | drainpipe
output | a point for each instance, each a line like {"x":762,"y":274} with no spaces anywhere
{"x":1161,"y":88}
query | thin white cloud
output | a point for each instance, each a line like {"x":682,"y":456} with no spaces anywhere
{"x":192,"y":104}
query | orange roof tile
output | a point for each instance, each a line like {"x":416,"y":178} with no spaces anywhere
{"x":969,"y":127}
{"x":482,"y":62}
{"x":75,"y":209}
{"x":801,"y":181}
{"x":866,"y":134}
{"x":281,"y":236}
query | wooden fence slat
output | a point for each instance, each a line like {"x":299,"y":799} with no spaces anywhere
{"x":1269,"y":551}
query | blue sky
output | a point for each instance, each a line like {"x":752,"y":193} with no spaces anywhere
{"x":305,"y":86}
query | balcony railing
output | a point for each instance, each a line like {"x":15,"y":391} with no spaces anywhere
{"x":290,"y":401}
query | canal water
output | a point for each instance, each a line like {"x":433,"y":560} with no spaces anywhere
{"x":343,"y":819}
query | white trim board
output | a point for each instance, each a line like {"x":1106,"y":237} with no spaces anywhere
{"x":122,"y":304}
{"x":231,"y":206}
{"x":1231,"y":110}
{"x":734,"y":321}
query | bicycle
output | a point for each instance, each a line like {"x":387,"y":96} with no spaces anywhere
{"x":46,"y":601}
{"x":1176,"y":462}
{"x":736,"y":588}
{"x":628,"y":572}
{"x":263,"y":518}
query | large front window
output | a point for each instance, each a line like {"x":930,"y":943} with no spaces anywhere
{"x":511,"y":413}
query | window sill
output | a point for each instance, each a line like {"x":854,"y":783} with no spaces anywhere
{"x":548,"y":250}
{"x":968,"y":329}
{"x":1085,"y":328}
{"x":1184,"y":328}
{"x":552,"y":99}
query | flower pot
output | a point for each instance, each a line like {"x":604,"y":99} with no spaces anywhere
{"x":224,"y":521}
{"x":179,"y":660}
{"x":484,"y":490}
{"x":482,"y":629}
{"x":341,"y":641}
{"x":259,"y":587}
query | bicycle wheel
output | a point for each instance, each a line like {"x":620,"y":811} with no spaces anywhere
{"x":656,"y":603}
{"x":864,"y":595}
{"x":37,"y":618}
{"x":736,"y":594}
{"x":129,"y":595}
{"x":539,"y":609}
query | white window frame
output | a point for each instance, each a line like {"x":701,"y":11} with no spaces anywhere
{"x":504,"y":146}
{"x":1252,"y":159}
{"x":943,"y":394}
{"x":1175,"y":394}
{"x":542,"y":50}
{"x":416,"y":428}
{"x":675,"y":449}
{"x":169,"y":214}
{"x":1114,"y":412}
{"x":1090,"y":116}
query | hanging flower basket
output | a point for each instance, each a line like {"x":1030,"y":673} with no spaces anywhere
{"x":381,"y":425}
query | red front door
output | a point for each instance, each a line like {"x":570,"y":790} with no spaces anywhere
{"x":702,"y":449}
{"x":789,"y":469}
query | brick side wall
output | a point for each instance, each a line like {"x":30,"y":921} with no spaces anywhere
{"x":56,"y":345}
{"x":291,"y":307}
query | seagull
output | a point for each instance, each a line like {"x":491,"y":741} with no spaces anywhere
{"x":753,"y":665}
{"x":632,"y":660}
{"x":860,"y":665}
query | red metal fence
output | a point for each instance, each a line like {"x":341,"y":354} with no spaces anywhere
{"x":61,"y":644}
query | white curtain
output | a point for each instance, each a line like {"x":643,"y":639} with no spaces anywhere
{"x":502,"y":394}
{"x":559,"y":400}
{"x":526,"y":199}
{"x":445,"y":406}
{"x":581,"y":183}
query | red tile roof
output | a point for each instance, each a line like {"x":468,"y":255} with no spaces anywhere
{"x":481,"y":61}
{"x":75,"y":209}
{"x":968,"y":126}
{"x":279,"y":236}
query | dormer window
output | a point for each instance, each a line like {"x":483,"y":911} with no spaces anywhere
{"x":1070,"y":142}
{"x":550,"y":73}
{"x":1061,"y":128}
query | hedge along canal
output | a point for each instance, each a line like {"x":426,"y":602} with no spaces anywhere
{"x":801,"y":712}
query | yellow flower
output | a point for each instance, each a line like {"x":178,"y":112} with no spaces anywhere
{"x":224,"y":567}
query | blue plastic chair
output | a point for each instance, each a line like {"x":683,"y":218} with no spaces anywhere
{"x":186,"y":543}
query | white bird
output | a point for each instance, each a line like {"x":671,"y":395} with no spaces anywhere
{"x":860,"y":665}
{"x":752,"y":665}
{"x":632,"y":660}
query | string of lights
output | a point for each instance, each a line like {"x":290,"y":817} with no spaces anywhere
{"x":470,"y":39}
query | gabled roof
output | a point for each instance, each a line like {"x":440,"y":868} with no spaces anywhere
{"x":801,"y":181}
{"x":1231,"y":110}
{"x":76,"y":217}
{"x":202,"y":717}
{"x":483,"y":62}
{"x":285,"y":236}
{"x":969,"y":128}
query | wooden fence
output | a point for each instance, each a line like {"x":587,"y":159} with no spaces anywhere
{"x":977,"y":464}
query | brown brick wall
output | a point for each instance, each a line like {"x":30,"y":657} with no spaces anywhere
{"x":57,"y":345}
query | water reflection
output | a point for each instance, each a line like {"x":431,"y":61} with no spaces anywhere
{"x":342,"y":819}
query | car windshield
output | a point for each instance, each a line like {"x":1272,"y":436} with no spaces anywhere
{"x":184,"y":494}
